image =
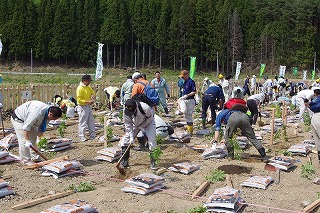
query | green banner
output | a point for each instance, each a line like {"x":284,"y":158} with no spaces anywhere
{"x":313,"y":74}
{"x":262,"y":67}
{"x":193,"y":67}
{"x":295,"y":70}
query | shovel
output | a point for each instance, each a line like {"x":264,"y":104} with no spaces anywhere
{"x":121,"y":170}
{"x":39,"y":153}
{"x":260,"y":122}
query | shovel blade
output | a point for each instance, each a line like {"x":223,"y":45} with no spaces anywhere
{"x":121,"y":170}
{"x":270,"y":168}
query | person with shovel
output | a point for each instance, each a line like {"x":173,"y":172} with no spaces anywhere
{"x":29,"y":121}
{"x":234,"y":119}
{"x":138,"y":116}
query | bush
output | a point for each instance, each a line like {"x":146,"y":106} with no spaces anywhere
{"x":216,"y":176}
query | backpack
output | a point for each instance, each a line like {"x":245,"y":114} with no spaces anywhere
{"x":236,"y":104}
{"x":151,"y":94}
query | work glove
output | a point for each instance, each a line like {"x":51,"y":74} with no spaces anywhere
{"x":184,"y":97}
{"x":28,"y":144}
{"x":131,"y":140}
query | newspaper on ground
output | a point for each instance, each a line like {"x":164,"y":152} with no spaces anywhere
{"x":215,"y":151}
{"x":62,"y":168}
{"x":184,"y":167}
{"x":74,"y":206}
{"x":257,"y":181}
{"x":109,"y":154}
{"x":301,"y":149}
{"x":282,"y":162}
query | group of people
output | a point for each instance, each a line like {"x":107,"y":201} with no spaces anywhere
{"x":30,"y":119}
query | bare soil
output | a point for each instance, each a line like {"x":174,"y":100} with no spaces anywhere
{"x":108,"y":197}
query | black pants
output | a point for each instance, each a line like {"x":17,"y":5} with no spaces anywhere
{"x":253,"y":107}
{"x":208,"y":100}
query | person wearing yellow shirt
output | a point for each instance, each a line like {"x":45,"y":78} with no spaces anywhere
{"x":85,"y":98}
{"x":113,"y":95}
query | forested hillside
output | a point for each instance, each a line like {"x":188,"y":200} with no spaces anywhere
{"x":162,"y":33}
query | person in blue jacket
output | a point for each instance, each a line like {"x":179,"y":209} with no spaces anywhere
{"x":161,"y":87}
{"x":314,"y":106}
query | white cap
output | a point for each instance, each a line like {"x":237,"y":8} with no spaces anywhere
{"x":314,"y":88}
{"x":253,"y":76}
{"x":206,"y":78}
{"x":134,"y":75}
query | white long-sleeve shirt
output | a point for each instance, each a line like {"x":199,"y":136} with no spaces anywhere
{"x":32,"y":113}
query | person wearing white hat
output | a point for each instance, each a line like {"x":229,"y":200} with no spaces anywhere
{"x":206,"y":84}
{"x":253,"y":84}
{"x":303,"y":97}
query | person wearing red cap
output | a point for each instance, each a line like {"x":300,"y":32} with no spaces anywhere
{"x":85,"y":98}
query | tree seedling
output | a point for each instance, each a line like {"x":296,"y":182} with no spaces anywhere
{"x":61,"y":129}
{"x":155,"y":154}
{"x":109,"y":136}
{"x":216,"y":176}
{"x":198,"y":209}
{"x":43,"y":143}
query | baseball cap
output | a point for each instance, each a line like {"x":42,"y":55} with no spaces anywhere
{"x":182,"y":73}
{"x":130,"y":107}
{"x":135,"y":75}
{"x":86,"y":77}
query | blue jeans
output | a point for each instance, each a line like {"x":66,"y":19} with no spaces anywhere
{"x":208,"y":100}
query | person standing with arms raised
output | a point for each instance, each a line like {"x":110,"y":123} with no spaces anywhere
{"x":85,"y":98}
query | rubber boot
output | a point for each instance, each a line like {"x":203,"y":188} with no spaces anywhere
{"x":262,"y":153}
{"x":142,"y":142}
{"x":203,"y":124}
{"x":230,"y":151}
{"x":190,"y":129}
{"x":166,"y":110}
{"x":153,"y":165}
{"x":125,"y":159}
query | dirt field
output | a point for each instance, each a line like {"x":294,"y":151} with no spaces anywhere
{"x":108,"y":197}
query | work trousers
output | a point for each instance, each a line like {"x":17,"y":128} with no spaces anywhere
{"x":25,"y":153}
{"x":209,"y":100}
{"x":86,"y":119}
{"x":242,"y":121}
{"x":253,"y":107}
{"x":149,"y":131}
{"x":190,"y":104}
{"x":315,"y":127}
{"x":163,"y":100}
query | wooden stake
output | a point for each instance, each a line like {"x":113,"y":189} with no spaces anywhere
{"x":41,"y":200}
{"x":36,"y":165}
{"x":105,"y":131}
{"x":272,"y":125}
{"x":312,"y":206}
{"x":229,"y":181}
{"x":201,"y":188}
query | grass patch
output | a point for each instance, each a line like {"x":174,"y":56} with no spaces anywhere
{"x":82,"y":187}
{"x":307,"y":171}
{"x":198,"y":209}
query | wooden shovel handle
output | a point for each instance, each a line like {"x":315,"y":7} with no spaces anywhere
{"x":39,"y":153}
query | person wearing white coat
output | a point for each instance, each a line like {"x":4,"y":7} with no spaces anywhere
{"x":138,"y":116}
{"x":253,"y":84}
{"x":29,"y":121}
{"x":303,"y":97}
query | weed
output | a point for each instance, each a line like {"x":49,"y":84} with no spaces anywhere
{"x":307,"y":171}
{"x":281,"y":132}
{"x":101,"y":119}
{"x":307,"y":122}
{"x":61,"y":129}
{"x":155,"y":154}
{"x":198,"y":209}
{"x":171,"y":211}
{"x":51,"y":155}
{"x":278,"y":113}
{"x":83,"y":187}
{"x":1,"y":172}
{"x":216,"y":176}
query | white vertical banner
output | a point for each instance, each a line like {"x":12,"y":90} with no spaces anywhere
{"x":304,"y":75}
{"x":282,"y":71}
{"x":0,"y":46}
{"x":99,"y":62}
{"x":238,"y":70}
